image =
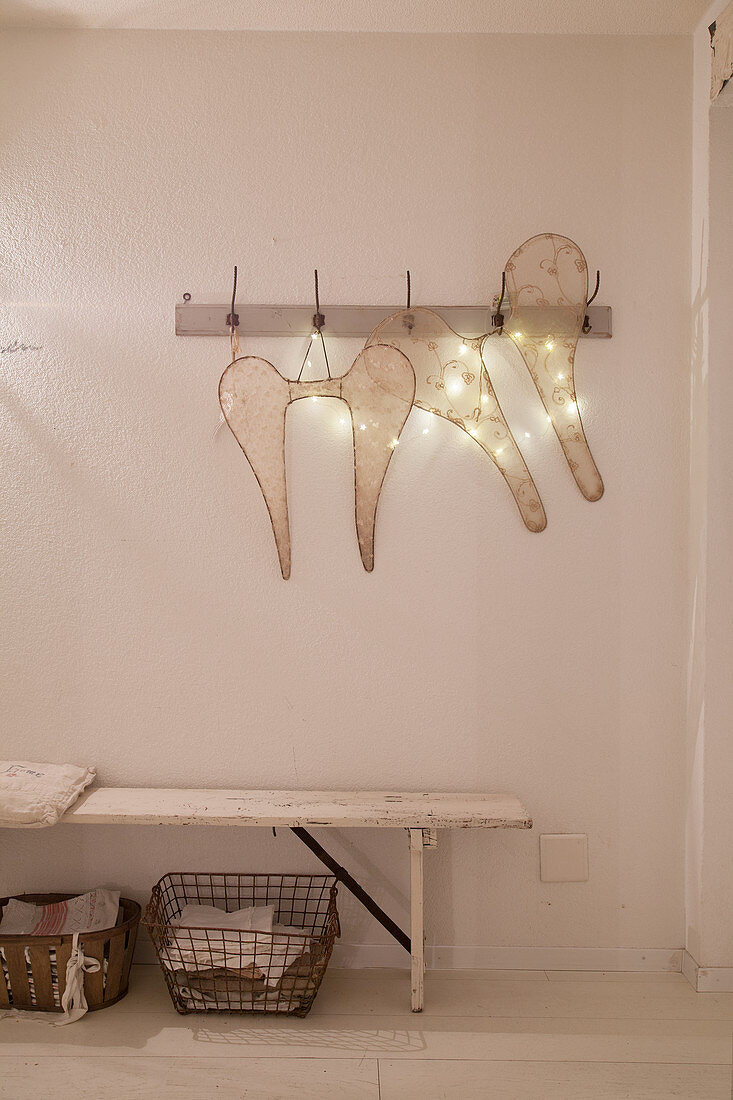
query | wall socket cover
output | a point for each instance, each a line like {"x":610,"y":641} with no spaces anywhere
{"x":564,"y":857}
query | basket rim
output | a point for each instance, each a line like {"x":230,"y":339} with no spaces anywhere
{"x":246,"y":874}
{"x":10,"y":939}
{"x":148,"y":923}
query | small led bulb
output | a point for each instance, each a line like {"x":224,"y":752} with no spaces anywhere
{"x":517,"y":335}
{"x":560,"y":377}
{"x":484,"y":399}
{"x":363,"y":427}
{"x":394,"y":443}
{"x":549,"y":345}
{"x":314,"y":335}
{"x":472,"y":431}
{"x":499,"y":450}
{"x":463,"y":348}
{"x":549,"y":419}
{"x":526,"y":435}
{"x":425,"y":431}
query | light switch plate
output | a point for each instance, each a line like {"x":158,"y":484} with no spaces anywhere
{"x":564,"y":857}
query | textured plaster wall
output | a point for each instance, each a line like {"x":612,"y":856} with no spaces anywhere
{"x":146,"y":627}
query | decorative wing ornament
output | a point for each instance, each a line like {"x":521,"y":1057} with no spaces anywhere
{"x":547,"y":281}
{"x":379,"y":389}
{"x":453,"y":382}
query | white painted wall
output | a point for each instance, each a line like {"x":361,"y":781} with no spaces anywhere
{"x":146,"y":628}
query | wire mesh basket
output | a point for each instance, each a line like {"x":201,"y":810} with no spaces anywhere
{"x":228,"y":969}
{"x":33,"y":968}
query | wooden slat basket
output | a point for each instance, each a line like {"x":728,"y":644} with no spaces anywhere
{"x":33,"y":968}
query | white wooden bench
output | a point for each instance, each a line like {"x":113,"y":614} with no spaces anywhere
{"x":420,"y":813}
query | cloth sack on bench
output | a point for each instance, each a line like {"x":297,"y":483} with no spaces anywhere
{"x":34,"y":795}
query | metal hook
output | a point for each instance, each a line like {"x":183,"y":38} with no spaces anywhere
{"x":497,"y":319}
{"x":595,"y":292}
{"x":232,"y":317}
{"x":318,"y":322}
{"x":408,"y":319}
{"x":587,"y":326}
{"x":318,"y":319}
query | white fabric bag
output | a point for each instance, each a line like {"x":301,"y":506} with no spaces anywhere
{"x":253,"y":940}
{"x":34,"y":795}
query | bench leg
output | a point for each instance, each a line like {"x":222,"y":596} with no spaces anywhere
{"x":417,"y":932}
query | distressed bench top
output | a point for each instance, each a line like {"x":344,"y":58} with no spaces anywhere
{"x":376,"y":809}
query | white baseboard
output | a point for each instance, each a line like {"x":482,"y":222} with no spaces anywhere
{"x":366,"y":955}
{"x":707,"y":979}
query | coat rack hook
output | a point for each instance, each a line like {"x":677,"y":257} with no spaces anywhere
{"x":318,"y":319}
{"x":232,"y":317}
{"x":586,"y":320}
{"x":318,"y":322}
{"x":233,"y":321}
{"x":497,"y":319}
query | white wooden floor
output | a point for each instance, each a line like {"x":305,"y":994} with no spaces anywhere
{"x":485,"y":1035}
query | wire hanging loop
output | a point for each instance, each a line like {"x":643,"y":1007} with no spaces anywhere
{"x":407,"y":273}
{"x":587,"y":326}
{"x":319,"y":322}
{"x":233,"y":321}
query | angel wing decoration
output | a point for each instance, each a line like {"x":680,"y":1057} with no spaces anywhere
{"x":547,"y":281}
{"x":378,"y":388}
{"x":452,"y":381}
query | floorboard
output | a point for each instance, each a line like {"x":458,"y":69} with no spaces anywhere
{"x":484,"y":1036}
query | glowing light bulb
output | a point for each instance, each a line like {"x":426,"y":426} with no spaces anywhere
{"x":472,"y":431}
{"x":517,"y":335}
{"x":499,"y":450}
{"x":463,"y":348}
{"x":425,"y":431}
{"x":454,"y":388}
{"x":572,"y":407}
{"x":394,"y":443}
{"x":526,"y":435}
{"x":307,"y":362}
{"x":549,"y":419}
{"x":560,"y":377}
{"x":314,"y":336}
{"x":314,"y":398}
{"x":484,"y":399}
{"x":549,"y":345}
{"x":363,"y":427}
{"x":342,"y":422}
